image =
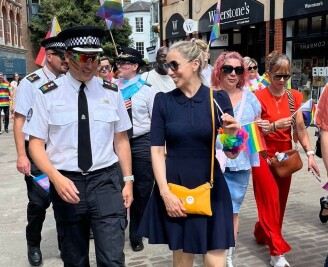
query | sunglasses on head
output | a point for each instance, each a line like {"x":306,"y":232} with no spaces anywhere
{"x":173,"y":65}
{"x":106,"y":67}
{"x":84,"y":58}
{"x":250,"y":68}
{"x":58,"y":54}
{"x":278,"y":77}
{"x":228,"y":69}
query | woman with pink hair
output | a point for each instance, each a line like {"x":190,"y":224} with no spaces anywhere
{"x":230,"y":74}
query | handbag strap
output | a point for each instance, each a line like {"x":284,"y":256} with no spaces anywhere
{"x":291,"y":103}
{"x":213,"y":137}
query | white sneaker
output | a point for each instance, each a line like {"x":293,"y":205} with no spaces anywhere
{"x":279,"y":261}
{"x":230,"y":252}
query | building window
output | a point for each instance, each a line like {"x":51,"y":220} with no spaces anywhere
{"x":290,"y":29}
{"x":302,"y":27}
{"x":316,"y":24}
{"x":139,"y":24}
{"x":140,"y":47}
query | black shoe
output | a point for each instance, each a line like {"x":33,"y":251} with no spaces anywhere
{"x":137,"y":247}
{"x":324,"y":205}
{"x":34,"y":256}
{"x":6,"y":130}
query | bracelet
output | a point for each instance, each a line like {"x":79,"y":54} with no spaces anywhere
{"x":274,"y":126}
{"x":310,"y":152}
{"x":128,"y":178}
{"x":232,"y":143}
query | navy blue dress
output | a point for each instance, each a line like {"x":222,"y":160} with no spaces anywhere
{"x":185,"y":125}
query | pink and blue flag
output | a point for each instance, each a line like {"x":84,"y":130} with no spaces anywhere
{"x":308,"y":109}
{"x":112,"y":12}
{"x":215,"y":33}
{"x":43,"y":181}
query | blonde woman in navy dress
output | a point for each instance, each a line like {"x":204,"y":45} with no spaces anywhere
{"x":181,"y":120}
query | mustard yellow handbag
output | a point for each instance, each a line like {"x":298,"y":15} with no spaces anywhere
{"x":198,"y":200}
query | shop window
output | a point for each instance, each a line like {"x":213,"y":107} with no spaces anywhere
{"x":302,"y":27}
{"x":316,"y":24}
{"x":326,"y":23}
{"x":236,"y":38}
{"x":290,"y":28}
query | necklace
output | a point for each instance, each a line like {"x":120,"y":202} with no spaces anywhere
{"x":277,"y":100}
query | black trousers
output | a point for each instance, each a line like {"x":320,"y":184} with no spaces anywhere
{"x":6,"y":112}
{"x":101,"y":207}
{"x":143,"y":183}
{"x":39,"y":201}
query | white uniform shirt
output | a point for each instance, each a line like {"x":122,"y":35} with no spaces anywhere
{"x":142,"y":106}
{"x":163,"y":83}
{"x":26,"y":91}
{"x":55,"y":119}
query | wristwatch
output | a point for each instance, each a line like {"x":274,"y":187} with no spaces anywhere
{"x":128,"y":178}
{"x":310,"y":152}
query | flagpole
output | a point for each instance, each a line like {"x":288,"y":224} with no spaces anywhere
{"x":111,"y":35}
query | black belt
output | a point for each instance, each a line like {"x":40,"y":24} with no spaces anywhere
{"x":106,"y":169}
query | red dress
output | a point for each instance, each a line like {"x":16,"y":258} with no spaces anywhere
{"x":271,"y":192}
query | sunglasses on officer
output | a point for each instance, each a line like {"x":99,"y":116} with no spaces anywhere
{"x":252,"y":67}
{"x":84,"y":58}
{"x":58,"y":54}
{"x":105,"y":67}
{"x":174,"y":65}
{"x":278,"y":77}
{"x":228,"y":69}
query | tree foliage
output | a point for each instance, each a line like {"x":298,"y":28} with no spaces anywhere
{"x":73,"y":13}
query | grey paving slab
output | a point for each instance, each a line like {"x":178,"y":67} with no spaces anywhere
{"x":302,"y":228}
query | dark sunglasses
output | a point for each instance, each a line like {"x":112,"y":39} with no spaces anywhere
{"x":228,"y":69}
{"x":123,"y":63}
{"x":173,"y":65}
{"x":84,"y":58}
{"x":250,"y":68}
{"x":58,"y":54}
{"x":106,"y":67}
{"x":278,"y":77}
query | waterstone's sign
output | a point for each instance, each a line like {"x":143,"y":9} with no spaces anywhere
{"x":303,"y":7}
{"x":233,"y":14}
{"x":174,"y":27}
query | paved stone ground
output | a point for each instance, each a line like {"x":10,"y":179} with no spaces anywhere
{"x":302,"y":228}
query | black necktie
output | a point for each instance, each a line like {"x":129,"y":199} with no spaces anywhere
{"x":84,"y":155}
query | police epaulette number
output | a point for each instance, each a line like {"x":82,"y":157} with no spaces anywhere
{"x":48,"y":87}
{"x":110,"y":86}
{"x":33,"y":77}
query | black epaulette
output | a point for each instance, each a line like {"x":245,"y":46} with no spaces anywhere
{"x":33,"y":77}
{"x":48,"y":87}
{"x":110,"y":86}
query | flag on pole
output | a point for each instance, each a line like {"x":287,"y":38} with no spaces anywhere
{"x":308,"y":109}
{"x":112,"y":12}
{"x":54,"y":30}
{"x":255,"y":141}
{"x":265,"y":80}
{"x":215,"y":33}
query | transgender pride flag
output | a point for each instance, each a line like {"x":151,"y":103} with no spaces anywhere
{"x":42,"y":181}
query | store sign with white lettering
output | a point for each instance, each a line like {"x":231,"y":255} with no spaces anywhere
{"x":233,"y":14}
{"x":303,"y":7}
{"x":174,"y":27}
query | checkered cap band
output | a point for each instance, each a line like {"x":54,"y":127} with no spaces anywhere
{"x":55,"y":45}
{"x":88,"y":41}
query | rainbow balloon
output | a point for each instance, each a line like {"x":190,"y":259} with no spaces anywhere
{"x":255,"y":141}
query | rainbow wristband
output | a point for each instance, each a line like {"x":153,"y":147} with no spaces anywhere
{"x":232,"y":143}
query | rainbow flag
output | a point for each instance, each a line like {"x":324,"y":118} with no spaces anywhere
{"x":255,"y":141}
{"x":112,"y":12}
{"x":42,"y":181}
{"x":54,"y":30}
{"x":265,"y":80}
{"x":215,"y":33}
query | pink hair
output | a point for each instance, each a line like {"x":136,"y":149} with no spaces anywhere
{"x":215,"y":78}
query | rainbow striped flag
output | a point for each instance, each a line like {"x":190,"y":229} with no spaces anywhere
{"x":265,"y":80}
{"x":255,"y":141}
{"x":308,"y":110}
{"x":42,"y":181}
{"x":54,"y":30}
{"x":112,"y":12}
{"x":215,"y":33}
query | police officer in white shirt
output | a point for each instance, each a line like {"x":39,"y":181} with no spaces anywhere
{"x":39,"y":199}
{"x":139,"y":96}
{"x":81,"y":119}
